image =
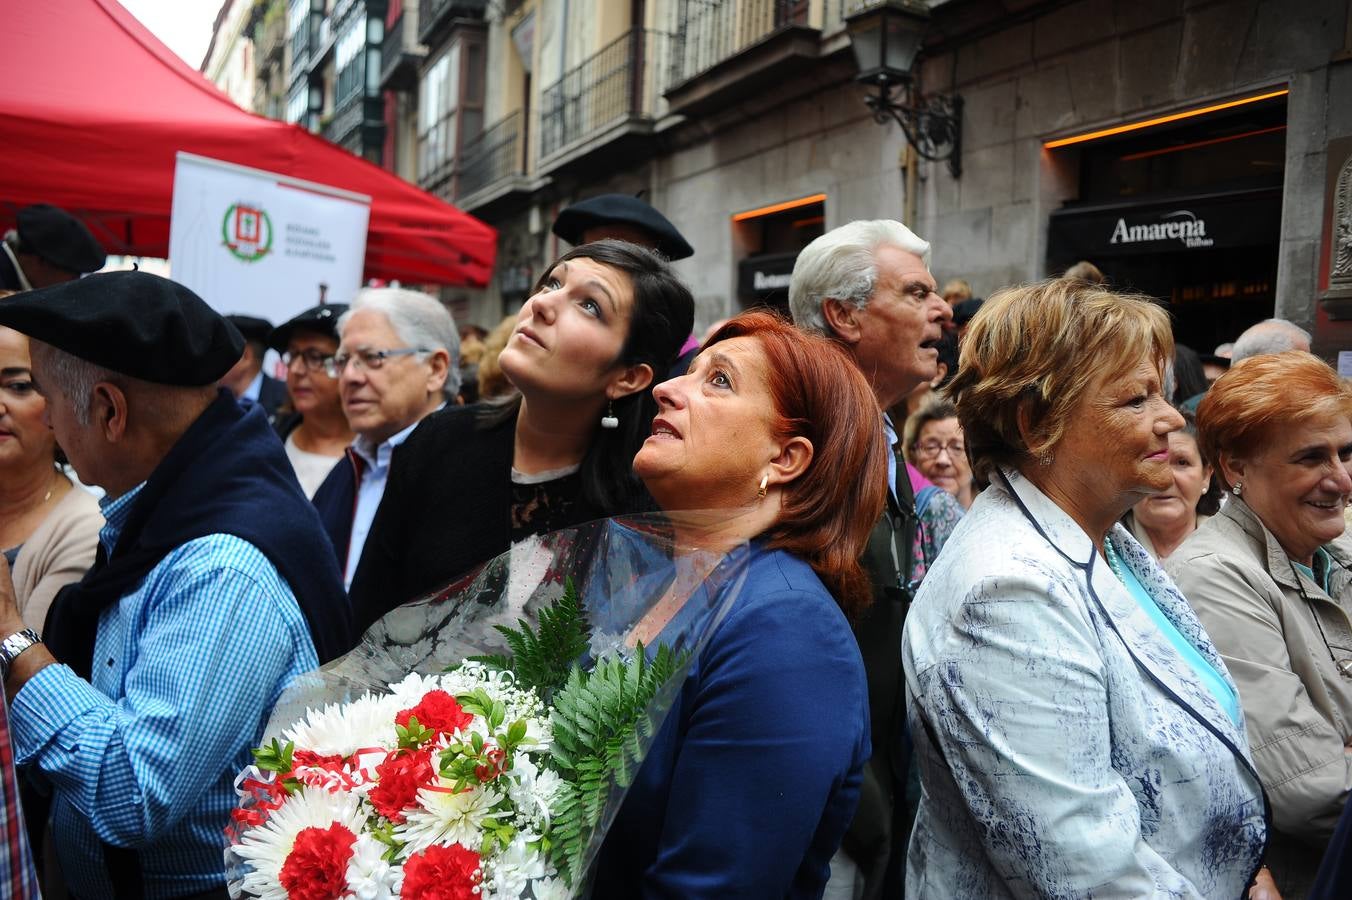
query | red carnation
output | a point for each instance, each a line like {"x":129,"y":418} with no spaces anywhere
{"x":442,"y":873}
{"x":316,"y":867}
{"x":399,"y":777}
{"x":438,"y":711}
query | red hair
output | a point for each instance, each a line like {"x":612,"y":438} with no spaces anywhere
{"x":1262,"y":395}
{"x":830,"y":509}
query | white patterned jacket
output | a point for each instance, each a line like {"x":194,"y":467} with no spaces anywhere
{"x":1065,"y":748}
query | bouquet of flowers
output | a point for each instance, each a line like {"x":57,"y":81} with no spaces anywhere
{"x":490,"y":763}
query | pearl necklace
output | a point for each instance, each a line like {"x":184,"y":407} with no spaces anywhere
{"x":1114,"y":562}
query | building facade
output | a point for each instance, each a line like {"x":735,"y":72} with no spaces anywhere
{"x":1192,"y":149}
{"x":229,"y":60}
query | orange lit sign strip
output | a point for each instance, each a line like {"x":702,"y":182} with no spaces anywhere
{"x":778,"y":207}
{"x":1161,"y":120}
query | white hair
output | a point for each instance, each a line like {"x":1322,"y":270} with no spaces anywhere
{"x":420,"y":320}
{"x":75,"y":379}
{"x":842,"y":264}
{"x":1269,"y":336}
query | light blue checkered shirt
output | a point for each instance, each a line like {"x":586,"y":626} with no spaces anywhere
{"x":186,"y":669}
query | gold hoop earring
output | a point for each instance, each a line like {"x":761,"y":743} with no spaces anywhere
{"x":765,"y":481}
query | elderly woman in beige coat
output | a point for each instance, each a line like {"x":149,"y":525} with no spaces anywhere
{"x":1271,"y":579}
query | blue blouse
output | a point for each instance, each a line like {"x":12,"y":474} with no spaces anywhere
{"x":754,"y":776}
{"x":1206,"y":673}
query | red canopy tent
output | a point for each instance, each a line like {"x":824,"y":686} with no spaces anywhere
{"x":94,"y":108}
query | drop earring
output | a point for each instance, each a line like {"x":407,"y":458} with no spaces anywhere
{"x":765,"y":482}
{"x":609,"y":420}
{"x":1239,"y":488}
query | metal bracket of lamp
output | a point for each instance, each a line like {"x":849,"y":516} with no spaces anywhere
{"x":886,"y":38}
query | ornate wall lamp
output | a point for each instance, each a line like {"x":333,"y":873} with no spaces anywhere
{"x":886,"y":38}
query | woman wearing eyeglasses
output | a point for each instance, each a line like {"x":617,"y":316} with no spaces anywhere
{"x":472,"y":481}
{"x":1270,"y":576}
{"x":312,"y":424}
{"x":934,"y":445}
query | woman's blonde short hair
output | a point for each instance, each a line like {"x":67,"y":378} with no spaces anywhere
{"x":1263,"y":395}
{"x":1035,"y":351}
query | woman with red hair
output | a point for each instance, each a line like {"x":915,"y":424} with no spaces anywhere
{"x":753,"y":778}
{"x":1271,"y":579}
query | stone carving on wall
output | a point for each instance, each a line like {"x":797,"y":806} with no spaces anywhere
{"x":1340,"y":273}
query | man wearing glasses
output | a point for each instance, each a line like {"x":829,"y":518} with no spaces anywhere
{"x":398,"y":360}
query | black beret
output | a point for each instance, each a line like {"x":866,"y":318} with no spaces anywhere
{"x":59,"y":238}
{"x":134,"y":323}
{"x":963,"y":312}
{"x":321,"y":319}
{"x":252,"y":327}
{"x":608,"y":209}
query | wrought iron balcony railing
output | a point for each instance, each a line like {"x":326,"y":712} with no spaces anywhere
{"x":495,"y":154}
{"x":610,"y":86}
{"x":711,"y":31}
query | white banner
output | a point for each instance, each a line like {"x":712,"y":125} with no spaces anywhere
{"x":267,"y":245}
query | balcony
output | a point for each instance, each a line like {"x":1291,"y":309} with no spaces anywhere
{"x":435,"y":17}
{"x":726,"y":51}
{"x":400,"y":56}
{"x":603,"y":110}
{"x":493,"y":164}
{"x":269,"y":36}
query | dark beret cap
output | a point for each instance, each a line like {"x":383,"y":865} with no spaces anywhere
{"x":609,"y":209}
{"x":58,"y":237}
{"x":252,"y":327}
{"x":133,"y":323}
{"x":963,"y":312}
{"x":322,"y":319}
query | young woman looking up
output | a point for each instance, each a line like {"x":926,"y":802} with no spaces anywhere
{"x":471,"y":481}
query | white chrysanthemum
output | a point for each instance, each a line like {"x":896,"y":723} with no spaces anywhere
{"x":343,"y":729}
{"x":516,"y":867}
{"x":531,"y":790}
{"x":550,"y":889}
{"x":369,"y":877}
{"x":265,"y":847}
{"x":443,"y":817}
{"x":412,"y":689}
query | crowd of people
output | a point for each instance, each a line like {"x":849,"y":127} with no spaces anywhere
{"x":1038,"y":602}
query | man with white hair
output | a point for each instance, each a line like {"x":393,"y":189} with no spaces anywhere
{"x":398,"y":360}
{"x":867,"y":284}
{"x":1269,"y":336}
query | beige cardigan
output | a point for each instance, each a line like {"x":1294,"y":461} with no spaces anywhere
{"x":1297,"y":708}
{"x":57,"y":553}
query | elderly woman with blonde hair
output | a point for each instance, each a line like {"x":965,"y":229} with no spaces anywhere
{"x":1076,"y":731}
{"x":1271,"y":579}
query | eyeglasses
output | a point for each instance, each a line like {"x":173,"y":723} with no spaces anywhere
{"x":931,"y":449}
{"x":368,"y":359}
{"x":313,"y":360}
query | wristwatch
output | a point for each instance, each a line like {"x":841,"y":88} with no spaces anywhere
{"x":12,"y":646}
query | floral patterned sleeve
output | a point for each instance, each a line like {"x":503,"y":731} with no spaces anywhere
{"x":938,"y":517}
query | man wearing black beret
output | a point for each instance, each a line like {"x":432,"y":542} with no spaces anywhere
{"x":213,"y":587}
{"x":246,"y":379}
{"x":624,"y":218}
{"x":47,"y":246}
